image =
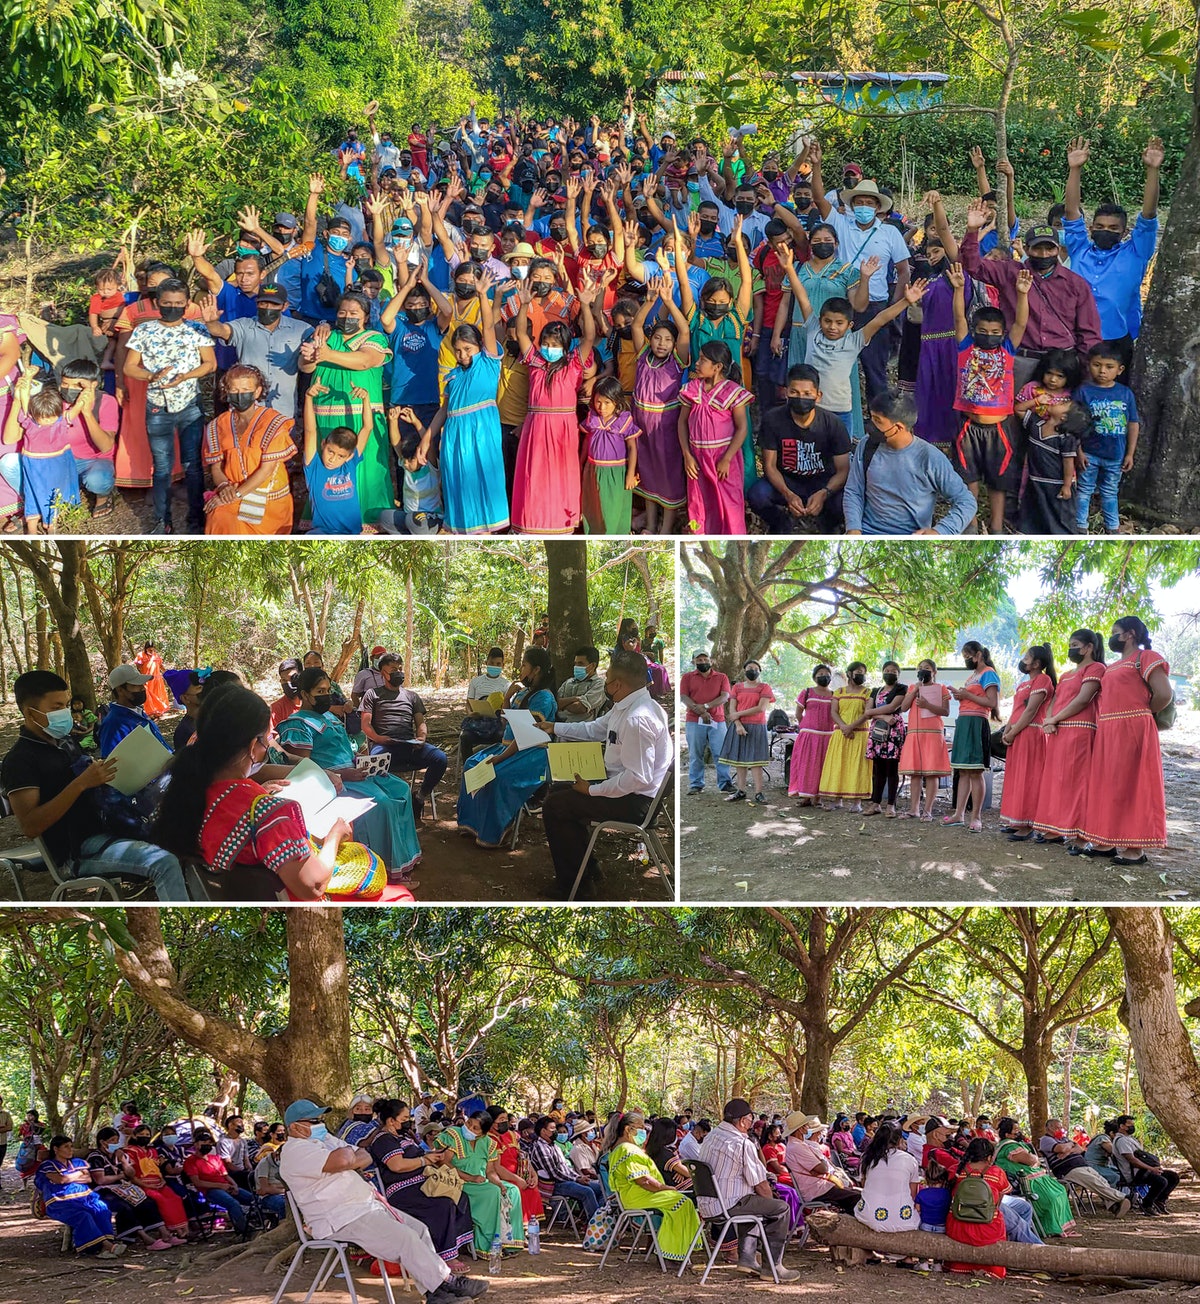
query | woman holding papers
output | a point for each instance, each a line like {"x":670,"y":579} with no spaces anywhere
{"x":515,"y":770}
{"x":314,"y":732}
{"x":972,"y":752}
{"x":924,"y":757}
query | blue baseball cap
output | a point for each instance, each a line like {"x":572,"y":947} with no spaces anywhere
{"x":304,"y":1111}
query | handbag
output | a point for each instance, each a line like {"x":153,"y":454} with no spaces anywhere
{"x":881,"y":729}
{"x":599,"y":1230}
{"x":131,"y":1194}
{"x":445,"y":1182}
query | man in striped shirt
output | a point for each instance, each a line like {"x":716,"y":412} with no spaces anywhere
{"x":739,"y":1171}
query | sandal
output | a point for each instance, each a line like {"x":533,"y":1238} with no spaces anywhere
{"x":1020,"y":837}
{"x":926,"y":819}
{"x":1125,"y":860}
{"x":950,"y":820}
{"x":976,"y":826}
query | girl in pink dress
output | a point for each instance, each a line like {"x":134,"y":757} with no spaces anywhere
{"x":547,"y":489}
{"x":712,"y":430}
{"x":662,"y":360}
{"x":814,"y":715}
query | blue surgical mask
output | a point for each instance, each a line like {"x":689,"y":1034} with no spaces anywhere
{"x":112,"y":1147}
{"x":694,"y":187}
{"x":493,"y":672}
{"x":864,"y":213}
{"x":58,"y":723}
{"x":552,"y":352}
{"x":640,"y":1136}
{"x":580,"y":672}
{"x":337,"y":242}
{"x":318,"y":1132}
{"x":170,"y":1141}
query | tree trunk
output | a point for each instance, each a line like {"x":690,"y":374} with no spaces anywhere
{"x":351,"y":643}
{"x":567,"y":600}
{"x":408,"y":622}
{"x":1166,"y":1062}
{"x":745,"y":622}
{"x":1068,"y":1063}
{"x":42,"y":633}
{"x":8,"y":629}
{"x":61,"y":592}
{"x":1035,"y":1061}
{"x":1165,"y":480}
{"x":818,"y":1061}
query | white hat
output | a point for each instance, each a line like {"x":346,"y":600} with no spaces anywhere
{"x":868,"y":190}
{"x":127,"y":675}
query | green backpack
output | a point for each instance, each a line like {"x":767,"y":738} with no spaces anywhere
{"x":973,"y":1201}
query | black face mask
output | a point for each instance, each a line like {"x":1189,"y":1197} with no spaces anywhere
{"x":464,"y":290}
{"x":1075,"y":654}
{"x":982,"y":340}
{"x":803,"y":202}
{"x":321,"y":703}
{"x":173,"y":313}
{"x":269,"y":316}
{"x":1106,"y":239}
{"x":1115,"y":644}
{"x":558,"y":233}
{"x":823,"y":250}
{"x":707,"y":227}
{"x":479,"y":256}
{"x":771,"y":175}
{"x":752,"y":675}
{"x":240,"y":402}
{"x":745,"y":207}
{"x":347,"y":325}
{"x":1024,"y":667}
{"x":969,"y":662}
{"x":396,"y":678}
{"x":472,"y":226}
{"x":1042,"y":262}
{"x":624,"y":332}
{"x":800,"y":407}
{"x":703,"y":667}
{"x":540,"y":289}
{"x":204,"y":1147}
{"x":890,"y":677}
{"x":142,"y":1139}
{"x":858,"y":678}
{"x":417,"y":315}
{"x":291,"y":688}
{"x":137,"y":697}
{"x":715,"y":311}
{"x":822,"y":681}
{"x":925,"y":676}
{"x":70,"y":395}
{"x":596,"y":249}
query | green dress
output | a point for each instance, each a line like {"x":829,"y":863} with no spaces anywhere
{"x":680,"y":1221}
{"x":495,"y":1210}
{"x":388,"y":828}
{"x":1051,"y":1208}
{"x":339,"y":408}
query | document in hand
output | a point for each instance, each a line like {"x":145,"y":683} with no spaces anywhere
{"x":478,"y":776}
{"x":929,"y":695}
{"x":310,"y":788}
{"x":482,"y":706}
{"x":579,"y":758}
{"x":140,"y":757}
{"x":525,"y":730}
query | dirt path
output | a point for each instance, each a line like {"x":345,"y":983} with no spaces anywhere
{"x":36,"y":1272}
{"x":783,"y":852}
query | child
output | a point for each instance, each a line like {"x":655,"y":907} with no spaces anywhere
{"x":662,"y":359}
{"x":610,"y":460}
{"x":83,"y":722}
{"x":933,"y":1199}
{"x":1051,"y":446}
{"x":512,"y":401}
{"x":331,"y":470}
{"x":833,"y":347}
{"x":104,"y":307}
{"x":746,"y":744}
{"x":421,"y":490}
{"x":1055,"y":379}
{"x":983,"y":450}
{"x":621,"y":346}
{"x":49,"y":475}
{"x":1109,"y":449}
{"x":712,"y":430}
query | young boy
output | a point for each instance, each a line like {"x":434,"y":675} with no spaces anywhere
{"x":331,"y":466}
{"x":983,"y":450}
{"x":1052,"y":440}
{"x":1108,"y":450}
{"x":104,"y":307}
{"x":421,"y":490}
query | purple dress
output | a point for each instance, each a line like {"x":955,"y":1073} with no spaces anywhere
{"x":656,"y":411}
{"x":937,"y":366}
{"x":808,"y":755}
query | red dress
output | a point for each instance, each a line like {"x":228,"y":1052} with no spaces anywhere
{"x":1060,"y":804}
{"x":548,"y":488}
{"x":1126,"y":805}
{"x":1026,"y":755}
{"x":510,"y":1158}
{"x":980,"y":1233}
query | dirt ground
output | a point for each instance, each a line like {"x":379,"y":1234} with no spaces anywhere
{"x":35,"y":1271}
{"x":783,"y":852}
{"x":452,"y":868}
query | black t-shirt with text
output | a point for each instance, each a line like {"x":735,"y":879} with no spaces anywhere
{"x":805,"y":454}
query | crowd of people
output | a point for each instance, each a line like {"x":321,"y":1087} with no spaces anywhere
{"x":554,"y":326}
{"x":221,"y":803}
{"x":429,"y":1185}
{"x":1070,"y":741}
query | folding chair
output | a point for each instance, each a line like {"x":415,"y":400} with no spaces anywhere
{"x":708,"y":1188}
{"x":638,"y":1220}
{"x":90,"y":887}
{"x":644,"y":832}
{"x":336,"y":1257}
{"x":526,"y":810}
{"x":562,"y":1209}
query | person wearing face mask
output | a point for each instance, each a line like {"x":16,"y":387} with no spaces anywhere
{"x":923,"y":757}
{"x":886,"y":735}
{"x":1127,"y":754}
{"x":495,"y":1201}
{"x":1065,"y":1160}
{"x":269,"y":340}
{"x":288,"y":700}
{"x":746,"y":745}
{"x":585,"y":1150}
{"x":1070,"y":729}
{"x":128,"y":709}
{"x":639,"y":1184}
{"x":1139,"y":1169}
{"x":134,"y":1213}
{"x":552,"y":1169}
{"x":322,"y":271}
{"x":703,"y":693}
{"x":846,"y":772}
{"x":814,"y":715}
{"x":235,"y":290}
{"x":971,"y":753}
{"x":548,"y":302}
{"x":514,"y":1159}
{"x":1024,"y":760}
{"x":808,"y":1166}
{"x":314,"y":733}
{"x":582,"y":696}
{"x":414,"y":333}
{"x":93,"y":418}
{"x":139,"y":1164}
{"x":394,"y":721}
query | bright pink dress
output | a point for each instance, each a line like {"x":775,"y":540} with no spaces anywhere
{"x":715,"y":506}
{"x":1060,"y":805}
{"x":815,"y":715}
{"x":1026,"y":755}
{"x":547,"y":489}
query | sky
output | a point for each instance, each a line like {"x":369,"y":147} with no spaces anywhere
{"x":1026,"y":588}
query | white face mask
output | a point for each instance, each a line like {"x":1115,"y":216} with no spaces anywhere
{"x":520,"y":272}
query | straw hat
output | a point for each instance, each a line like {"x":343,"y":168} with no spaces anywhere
{"x":868,"y":190}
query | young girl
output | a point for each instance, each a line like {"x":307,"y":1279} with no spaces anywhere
{"x":1054,"y":380}
{"x":546,"y":484}
{"x":746,"y":744}
{"x":1052,"y":441}
{"x":814,"y":715}
{"x":924,"y":757}
{"x":104,"y":309}
{"x":933,"y":1199}
{"x":331,"y":466}
{"x":1026,"y":742}
{"x":846,"y":774}
{"x":712,"y":430}
{"x":609,"y":460}
{"x":662,"y":360}
{"x":972,"y":751}
{"x":885,"y":741}
{"x":49,"y":475}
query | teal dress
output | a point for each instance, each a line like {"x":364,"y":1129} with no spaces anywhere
{"x":488,"y":812}
{"x":832,"y":282}
{"x":388,"y":827}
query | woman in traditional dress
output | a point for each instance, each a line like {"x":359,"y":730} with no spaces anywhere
{"x":746,"y":745}
{"x":30,"y":1134}
{"x":814,"y":715}
{"x":1026,"y":743}
{"x":886,"y":732}
{"x":972,"y":751}
{"x":1017,"y":1158}
{"x":139,"y":1162}
{"x":662,"y":360}
{"x":638,"y":1183}
{"x":924,"y":757}
{"x":516,"y":1164}
{"x":134,"y":1214}
{"x":713,"y":425}
{"x":247,"y":450}
{"x":977,"y":1163}
{"x":149,"y":662}
{"x":846,"y":773}
{"x":64,"y":1184}
{"x":495,"y":1202}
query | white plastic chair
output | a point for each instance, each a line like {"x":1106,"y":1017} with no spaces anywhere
{"x":638,"y":1220}
{"x":644,"y":832}
{"x":335,"y":1258}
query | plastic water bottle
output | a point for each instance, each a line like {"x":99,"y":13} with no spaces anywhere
{"x":534,"y":1235}
{"x":495,"y":1258}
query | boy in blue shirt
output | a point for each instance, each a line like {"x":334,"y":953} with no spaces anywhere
{"x":1108,"y":450}
{"x":331,"y":466}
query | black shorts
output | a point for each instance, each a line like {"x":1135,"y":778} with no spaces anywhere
{"x":986,"y":453}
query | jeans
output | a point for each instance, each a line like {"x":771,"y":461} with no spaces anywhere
{"x":700,"y":735}
{"x":1018,"y":1220}
{"x":416,"y":756}
{"x":873,"y":360}
{"x":589,"y":1194}
{"x":274,"y":1204}
{"x":1103,"y":473}
{"x":96,"y":475}
{"x":230,"y":1205}
{"x":107,"y":857}
{"x":766,"y":501}
{"x":1160,"y":1185}
{"x":161,"y":429}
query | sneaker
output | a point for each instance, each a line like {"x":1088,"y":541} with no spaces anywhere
{"x":1120,"y":1209}
{"x":465,"y":1287}
{"x":736,"y":795}
{"x":163,"y":527}
{"x":694,"y":792}
{"x":726,"y":787}
{"x":784,"y":1274}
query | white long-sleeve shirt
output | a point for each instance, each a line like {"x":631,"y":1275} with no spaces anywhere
{"x":637,"y":745}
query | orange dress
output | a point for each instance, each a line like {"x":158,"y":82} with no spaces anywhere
{"x":267,"y":439}
{"x":132,"y":462}
{"x":1026,"y":755}
{"x":157,"y":698}
{"x":924,"y":753}
{"x":1063,"y":795}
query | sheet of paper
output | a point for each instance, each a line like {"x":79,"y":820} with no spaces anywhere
{"x":478,"y":776}
{"x":932,"y":694}
{"x":313,"y":791}
{"x":525,"y":730}
{"x":582,"y":758}
{"x":140,"y":757}
{"x":481,"y":706}
{"x":340,"y":808}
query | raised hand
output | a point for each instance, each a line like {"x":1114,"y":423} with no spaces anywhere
{"x":956,"y":276}
{"x":977,"y":217}
{"x":316,"y":183}
{"x":1154,"y":154}
{"x":358,"y":393}
{"x":869,"y":266}
{"x":375,"y":204}
{"x":931,"y":199}
{"x":787,"y":258}
{"x":1078,"y":152}
{"x":1024,"y":281}
{"x":976,"y":156}
{"x":915,"y":291}
{"x":197,"y":245}
{"x":539,"y":197}
{"x":247,"y":218}
{"x":209,"y":312}
{"x":573,"y":187}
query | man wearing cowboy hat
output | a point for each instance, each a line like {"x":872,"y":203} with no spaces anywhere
{"x":863,"y":234}
{"x":583,"y":1153}
{"x":811,"y":1171}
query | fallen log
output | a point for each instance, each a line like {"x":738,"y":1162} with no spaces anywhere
{"x":1163,"y":1265}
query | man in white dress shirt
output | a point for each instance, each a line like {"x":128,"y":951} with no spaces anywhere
{"x":637,"y":757}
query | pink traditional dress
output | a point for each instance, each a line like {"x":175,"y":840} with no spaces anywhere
{"x":547,"y":490}
{"x":133,"y":463}
{"x":1060,"y":804}
{"x":656,"y":411}
{"x":814,"y":713}
{"x":715,"y":506}
{"x":1026,"y":755}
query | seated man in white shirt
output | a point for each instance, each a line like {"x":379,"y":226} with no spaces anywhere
{"x":322,"y":1173}
{"x":638,"y":755}
{"x":689,"y":1146}
{"x":584,"y":1153}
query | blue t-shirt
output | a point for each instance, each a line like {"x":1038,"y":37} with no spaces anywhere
{"x":411,"y":374}
{"x":1112,"y":410}
{"x":334,"y":496}
{"x":934,"y":1204}
{"x":233,"y":304}
{"x":989,"y":241}
{"x":312,"y":266}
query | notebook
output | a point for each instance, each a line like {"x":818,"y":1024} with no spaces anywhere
{"x":313,"y":791}
{"x":140,"y":758}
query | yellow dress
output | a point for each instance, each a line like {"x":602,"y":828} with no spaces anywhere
{"x":847,"y":772}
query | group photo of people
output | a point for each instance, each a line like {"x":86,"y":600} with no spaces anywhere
{"x":469,"y":758}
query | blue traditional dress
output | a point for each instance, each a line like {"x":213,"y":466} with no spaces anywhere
{"x":74,"y":1202}
{"x":474,"y":494}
